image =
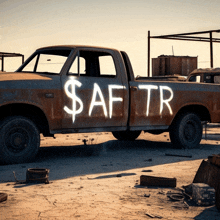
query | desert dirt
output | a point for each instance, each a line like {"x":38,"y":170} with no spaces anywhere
{"x":101,"y":180}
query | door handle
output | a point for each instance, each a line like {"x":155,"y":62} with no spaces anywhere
{"x":49,"y":95}
{"x":133,"y":88}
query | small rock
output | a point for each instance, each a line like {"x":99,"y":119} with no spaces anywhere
{"x":148,"y":160}
{"x":147,"y":171}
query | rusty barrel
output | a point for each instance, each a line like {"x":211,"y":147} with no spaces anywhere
{"x":37,"y":175}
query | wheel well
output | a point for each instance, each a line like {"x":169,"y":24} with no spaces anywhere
{"x":199,"y":110}
{"x":29,"y":111}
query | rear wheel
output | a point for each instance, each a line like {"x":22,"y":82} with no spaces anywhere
{"x":126,"y":135}
{"x":186,"y":131}
{"x":19,"y":140}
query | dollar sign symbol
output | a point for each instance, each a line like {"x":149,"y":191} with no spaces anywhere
{"x":72,"y":83}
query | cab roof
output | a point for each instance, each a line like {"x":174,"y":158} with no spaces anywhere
{"x":205,"y":70}
{"x":74,"y":46}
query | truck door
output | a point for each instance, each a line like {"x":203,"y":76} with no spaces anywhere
{"x":150,"y":101}
{"x":151,"y":104}
{"x":93,"y":91}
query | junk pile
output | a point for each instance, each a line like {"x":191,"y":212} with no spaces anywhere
{"x":204,"y":191}
{"x":33,"y":175}
{"x":209,"y":173}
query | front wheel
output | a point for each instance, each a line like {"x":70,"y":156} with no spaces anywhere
{"x":126,"y":135}
{"x":186,"y":131}
{"x":19,"y":140}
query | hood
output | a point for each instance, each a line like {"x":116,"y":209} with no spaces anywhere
{"x":16,"y":76}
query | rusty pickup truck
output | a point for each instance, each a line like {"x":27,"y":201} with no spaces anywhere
{"x":72,"y":89}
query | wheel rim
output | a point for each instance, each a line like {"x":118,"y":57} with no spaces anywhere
{"x":190,"y":131}
{"x":17,"y":139}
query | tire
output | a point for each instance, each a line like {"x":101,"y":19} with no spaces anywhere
{"x":186,"y":131}
{"x":19,"y":140}
{"x":126,"y":135}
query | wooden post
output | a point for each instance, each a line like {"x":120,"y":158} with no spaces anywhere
{"x":148,"y":55}
{"x":211,"y":51}
{"x":2,"y":63}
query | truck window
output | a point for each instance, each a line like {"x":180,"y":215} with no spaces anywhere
{"x":195,"y":79}
{"x":48,"y":61}
{"x":208,"y":78}
{"x":78,"y":62}
{"x":93,"y":64}
{"x":107,"y":67}
{"x":217,"y":79}
{"x":198,"y":78}
{"x":30,"y":66}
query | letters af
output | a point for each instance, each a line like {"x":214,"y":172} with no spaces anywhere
{"x":70,"y":90}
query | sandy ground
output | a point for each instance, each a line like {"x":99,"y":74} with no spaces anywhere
{"x":85,"y":181}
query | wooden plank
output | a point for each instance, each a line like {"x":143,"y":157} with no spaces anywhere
{"x":216,"y":160}
{"x":208,"y":173}
{"x":157,"y":181}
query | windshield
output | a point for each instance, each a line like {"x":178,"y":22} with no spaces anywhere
{"x":196,"y":78}
{"x":46,"y":62}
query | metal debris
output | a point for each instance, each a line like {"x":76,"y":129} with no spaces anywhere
{"x":153,"y":216}
{"x":175,"y":196}
{"x":34,"y":175}
{"x":178,"y":155}
{"x":18,"y":181}
{"x":3,"y":197}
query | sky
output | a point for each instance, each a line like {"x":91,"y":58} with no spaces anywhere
{"x":26,"y":25}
